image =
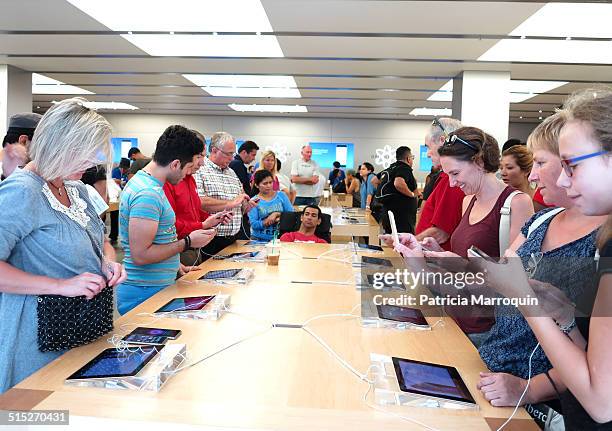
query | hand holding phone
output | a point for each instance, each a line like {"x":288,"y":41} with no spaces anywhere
{"x":201,"y":237}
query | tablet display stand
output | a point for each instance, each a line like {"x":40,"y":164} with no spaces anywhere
{"x":243,"y":277}
{"x":259,"y":257}
{"x":151,"y":378}
{"x":362,"y":283}
{"x":387,"y":391}
{"x":212,"y":311}
{"x":377,"y":322}
{"x":355,"y":247}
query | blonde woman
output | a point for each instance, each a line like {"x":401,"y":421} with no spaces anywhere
{"x":56,"y":270}
{"x":578,"y":348}
{"x":268,"y":163}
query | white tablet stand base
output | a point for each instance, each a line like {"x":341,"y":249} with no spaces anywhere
{"x":387,"y":391}
{"x":151,"y":378}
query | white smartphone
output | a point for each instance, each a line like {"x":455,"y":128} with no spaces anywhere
{"x":474,"y":251}
{"x":394,"y":233}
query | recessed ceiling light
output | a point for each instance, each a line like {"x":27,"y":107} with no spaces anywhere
{"x":107,"y":105}
{"x":520,"y":90}
{"x":444,"y":94}
{"x":267,"y":108}
{"x":246,"y":85}
{"x":206,"y":45}
{"x":521,"y":117}
{"x":568,"y":19}
{"x":178,"y":15}
{"x":42,"y":84}
{"x":187,"y":16}
{"x":539,"y":118}
{"x":540,"y":111}
{"x":443,"y":112}
{"x":564,"y":20}
{"x":550,"y":51}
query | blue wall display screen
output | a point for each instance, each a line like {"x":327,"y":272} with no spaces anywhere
{"x":326,"y":153}
{"x":121,"y":146}
{"x":424,"y":161}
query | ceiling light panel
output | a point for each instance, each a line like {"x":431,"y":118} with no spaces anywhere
{"x":246,"y":85}
{"x":520,"y":90}
{"x":267,"y":108}
{"x":562,"y":20}
{"x":178,"y":15}
{"x":42,"y":84}
{"x":550,"y":51}
{"x":444,"y":112}
{"x":107,"y":105}
{"x":568,"y":20}
{"x":444,"y":94}
{"x":188,"y":16}
{"x":206,"y":45}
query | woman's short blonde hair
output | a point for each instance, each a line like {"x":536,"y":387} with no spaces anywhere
{"x":70,"y":138}
{"x":546,"y":135}
{"x":265,"y":154}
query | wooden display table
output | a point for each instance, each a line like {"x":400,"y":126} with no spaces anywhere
{"x":281,"y":379}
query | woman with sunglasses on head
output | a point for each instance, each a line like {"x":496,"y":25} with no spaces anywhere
{"x":470,"y":157}
{"x":579,"y":349}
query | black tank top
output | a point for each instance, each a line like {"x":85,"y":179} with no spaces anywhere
{"x":575,"y":416}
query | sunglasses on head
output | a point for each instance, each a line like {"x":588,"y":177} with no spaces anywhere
{"x":454,"y":138}
{"x":436,"y":123}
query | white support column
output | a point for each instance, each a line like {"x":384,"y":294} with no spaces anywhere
{"x":482,"y":99}
{"x":15,"y":93}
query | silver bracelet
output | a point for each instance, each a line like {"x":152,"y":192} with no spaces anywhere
{"x":566,"y":329}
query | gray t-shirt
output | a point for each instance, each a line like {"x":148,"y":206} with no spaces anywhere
{"x":138,"y":164}
{"x":41,"y":240}
{"x":307,"y":169}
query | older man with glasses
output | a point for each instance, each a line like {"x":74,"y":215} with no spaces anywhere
{"x":220,"y":190}
{"x":441,"y":212}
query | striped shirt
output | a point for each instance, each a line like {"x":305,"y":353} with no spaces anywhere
{"x":223,"y":184}
{"x":143,"y":197}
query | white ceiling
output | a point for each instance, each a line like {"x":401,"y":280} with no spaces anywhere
{"x":345,"y":56}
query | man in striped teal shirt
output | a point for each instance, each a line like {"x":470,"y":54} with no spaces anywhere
{"x":147,"y":221}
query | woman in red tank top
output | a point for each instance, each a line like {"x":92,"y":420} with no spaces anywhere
{"x":471,"y":157}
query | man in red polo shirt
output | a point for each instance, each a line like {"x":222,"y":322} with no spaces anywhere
{"x":185,"y":202}
{"x":442,"y":210}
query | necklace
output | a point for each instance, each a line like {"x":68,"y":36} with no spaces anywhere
{"x":59,"y":189}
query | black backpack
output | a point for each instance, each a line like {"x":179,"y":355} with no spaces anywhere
{"x":386,"y":189}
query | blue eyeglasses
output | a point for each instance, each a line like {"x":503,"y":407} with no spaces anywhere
{"x":569,"y":164}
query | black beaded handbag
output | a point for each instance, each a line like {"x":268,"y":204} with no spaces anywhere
{"x":64,"y":323}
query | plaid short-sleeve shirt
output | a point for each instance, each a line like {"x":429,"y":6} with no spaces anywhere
{"x":214,"y":182}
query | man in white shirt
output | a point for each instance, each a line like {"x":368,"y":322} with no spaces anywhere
{"x":305,"y":176}
{"x":285,"y":183}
